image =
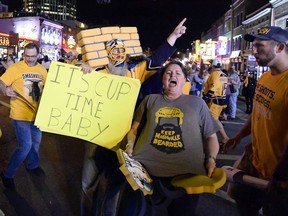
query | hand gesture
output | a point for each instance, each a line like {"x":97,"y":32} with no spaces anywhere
{"x":231,"y":143}
{"x":178,"y":32}
{"x":180,"y":29}
{"x":10,"y":92}
{"x":86,"y":68}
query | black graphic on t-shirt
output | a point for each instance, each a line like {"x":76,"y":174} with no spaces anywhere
{"x":35,"y":92}
{"x":168,"y":135}
{"x":33,"y":84}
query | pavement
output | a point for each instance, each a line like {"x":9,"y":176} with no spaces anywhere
{"x":58,"y":191}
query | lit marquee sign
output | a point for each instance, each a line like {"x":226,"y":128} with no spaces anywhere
{"x":4,"y":40}
{"x":50,"y":36}
{"x":208,"y":49}
{"x":27,"y":28}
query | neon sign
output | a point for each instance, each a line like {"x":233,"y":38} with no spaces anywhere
{"x":50,"y":36}
{"x":4,"y":41}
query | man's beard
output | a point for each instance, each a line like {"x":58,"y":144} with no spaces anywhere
{"x":266,"y":60}
{"x":119,"y":70}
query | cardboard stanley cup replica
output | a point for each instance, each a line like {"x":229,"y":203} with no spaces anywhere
{"x":92,"y":43}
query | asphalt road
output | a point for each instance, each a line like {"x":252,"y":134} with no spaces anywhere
{"x":58,"y":192}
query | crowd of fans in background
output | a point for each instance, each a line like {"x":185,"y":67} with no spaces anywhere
{"x":7,"y":61}
{"x":239,"y":84}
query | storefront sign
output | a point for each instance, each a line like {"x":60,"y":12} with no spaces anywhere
{"x":4,"y":41}
{"x":6,"y":14}
{"x":27,"y":28}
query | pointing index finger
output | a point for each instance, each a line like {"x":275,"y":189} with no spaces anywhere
{"x":182,"y":22}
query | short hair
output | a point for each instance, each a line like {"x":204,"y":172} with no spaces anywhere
{"x":163,"y":69}
{"x":32,"y":46}
{"x":275,"y":43}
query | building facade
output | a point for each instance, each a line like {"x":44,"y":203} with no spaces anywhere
{"x":256,"y":20}
{"x":245,"y":16}
{"x":280,"y":13}
{"x":47,"y":34}
{"x":53,"y":9}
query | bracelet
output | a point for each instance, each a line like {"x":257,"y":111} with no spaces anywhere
{"x":130,"y":142}
{"x":210,"y":156}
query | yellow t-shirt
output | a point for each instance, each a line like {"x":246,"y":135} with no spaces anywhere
{"x":269,"y":122}
{"x":27,"y":82}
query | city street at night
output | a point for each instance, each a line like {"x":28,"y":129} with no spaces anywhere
{"x":58,"y":192}
{"x":72,"y":73}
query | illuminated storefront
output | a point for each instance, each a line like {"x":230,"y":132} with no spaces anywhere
{"x":206,"y":51}
{"x":47,"y":34}
{"x":70,"y":42}
{"x":51,"y":39}
{"x":4,"y":44}
{"x":6,"y":47}
{"x":222,"y":51}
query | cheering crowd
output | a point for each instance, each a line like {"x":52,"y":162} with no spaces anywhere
{"x":193,"y":117}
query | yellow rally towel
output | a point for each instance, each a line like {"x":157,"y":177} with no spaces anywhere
{"x":196,"y":184}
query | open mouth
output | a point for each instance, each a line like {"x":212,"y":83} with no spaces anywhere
{"x":172,"y":83}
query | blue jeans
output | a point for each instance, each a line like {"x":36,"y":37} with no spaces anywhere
{"x":233,"y":104}
{"x":227,"y":109}
{"x":29,"y":139}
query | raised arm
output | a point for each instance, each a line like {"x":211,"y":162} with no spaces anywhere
{"x":166,"y":50}
{"x":178,"y":32}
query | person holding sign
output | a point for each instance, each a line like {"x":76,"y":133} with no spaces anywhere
{"x":174,"y":134}
{"x":97,"y":158}
{"x":266,"y":157}
{"x":24,"y":82}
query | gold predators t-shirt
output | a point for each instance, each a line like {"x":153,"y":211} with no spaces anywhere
{"x":28,"y":82}
{"x":269,"y":122}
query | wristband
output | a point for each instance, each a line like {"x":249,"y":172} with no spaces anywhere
{"x":130,"y":142}
{"x":210,"y":156}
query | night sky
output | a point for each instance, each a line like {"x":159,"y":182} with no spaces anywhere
{"x":155,"y":19}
